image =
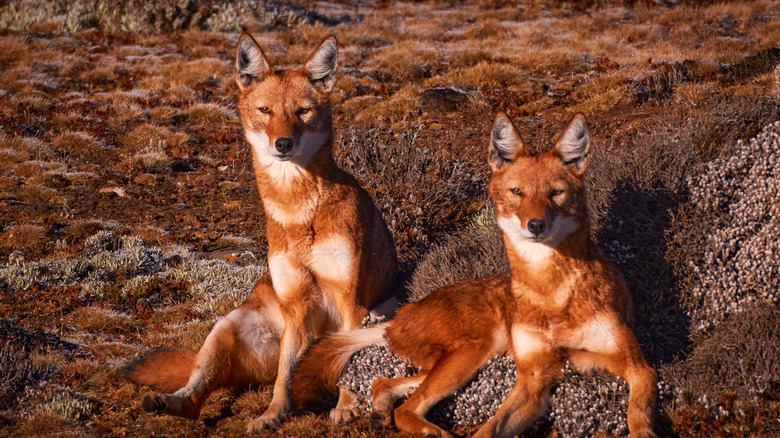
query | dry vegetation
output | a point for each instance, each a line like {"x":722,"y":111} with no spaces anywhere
{"x":129,"y":217}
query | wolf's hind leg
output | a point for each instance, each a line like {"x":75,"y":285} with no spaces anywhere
{"x":529,"y":398}
{"x":386,"y":393}
{"x":241,"y":349}
{"x":445,"y":377}
{"x":628,"y":362}
{"x":346,"y":409}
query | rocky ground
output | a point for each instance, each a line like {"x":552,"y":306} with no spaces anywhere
{"x":129,"y":218}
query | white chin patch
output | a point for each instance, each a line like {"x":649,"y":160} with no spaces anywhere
{"x":283,"y":172}
{"x":261,"y":144}
{"x":525,"y":243}
{"x":522,"y":241}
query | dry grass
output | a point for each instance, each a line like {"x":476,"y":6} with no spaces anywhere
{"x":476,"y":252}
{"x":194,"y":73}
{"x":165,"y":113}
{"x":398,"y":107}
{"x":692,"y":94}
{"x":184,"y":334}
{"x":13,"y":50}
{"x":97,"y":319}
{"x":40,"y":424}
{"x":408,"y":59}
{"x":211,"y":114}
{"x":483,"y":74}
{"x":39,"y":194}
{"x":153,"y":158}
{"x":150,"y":136}
{"x":123,"y":113}
{"x":601,"y":94}
{"x":77,"y":143}
{"x":741,"y":357}
{"x":24,"y":237}
{"x":28,"y":146}
{"x":12,"y":156}
{"x":155,"y":236}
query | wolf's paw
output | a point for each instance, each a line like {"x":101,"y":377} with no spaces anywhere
{"x":381,"y":420}
{"x":264,"y":422}
{"x":154,"y":403}
{"x":344,"y":415}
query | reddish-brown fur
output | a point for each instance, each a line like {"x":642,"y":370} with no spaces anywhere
{"x":331,"y":256}
{"x":167,"y":370}
{"x":563,"y":300}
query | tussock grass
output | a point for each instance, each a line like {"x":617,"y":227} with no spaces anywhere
{"x":13,"y":49}
{"x":187,"y":335}
{"x":393,"y":109}
{"x":40,"y":424}
{"x":487,"y":29}
{"x":94,"y":374}
{"x":182,"y":92}
{"x":154,"y":235}
{"x":156,"y":83}
{"x":97,"y":319}
{"x":12,"y":156}
{"x":211,"y":114}
{"x":196,"y":72}
{"x":68,"y":121}
{"x":692,"y":94}
{"x":165,"y":113}
{"x":153,"y":158}
{"x":475,"y":252}
{"x":602,"y":94}
{"x":39,"y":194}
{"x":12,"y":80}
{"x":150,"y":135}
{"x":80,"y":143}
{"x":24,"y":237}
{"x":19,"y":370}
{"x":483,"y":74}
{"x":409,"y":59}
{"x":741,"y":357}
{"x":122,"y":113}
{"x":114,"y":351}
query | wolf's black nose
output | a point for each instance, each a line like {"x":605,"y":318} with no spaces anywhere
{"x":537,"y":226}
{"x":284,"y":144}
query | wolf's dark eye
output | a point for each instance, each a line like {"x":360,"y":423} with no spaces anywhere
{"x":265,"y":110}
{"x":556,"y":193}
{"x":303,"y":111}
{"x":516,"y":191}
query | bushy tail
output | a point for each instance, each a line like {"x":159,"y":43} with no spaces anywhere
{"x":322,"y":365}
{"x":165,"y":370}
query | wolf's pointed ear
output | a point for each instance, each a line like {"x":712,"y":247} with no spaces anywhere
{"x":251,"y":63}
{"x":505,"y":142}
{"x":574,"y":143}
{"x":321,"y":65}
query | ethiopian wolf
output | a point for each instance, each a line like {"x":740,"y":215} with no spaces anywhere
{"x":331,"y":258}
{"x":562,"y":300}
